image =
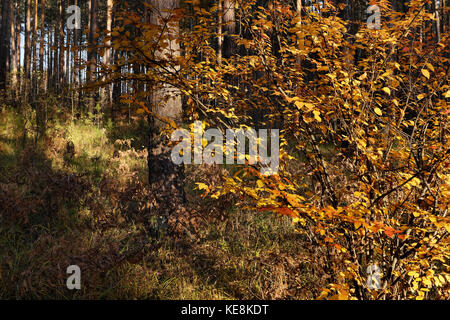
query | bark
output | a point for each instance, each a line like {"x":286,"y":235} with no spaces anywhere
{"x":229,"y":27}
{"x":41,"y":45}
{"x":18,"y":45}
{"x":34,"y":47}
{"x":76,"y":70}
{"x":14,"y":67}
{"x":92,"y":53}
{"x":437,"y":27}
{"x":61,"y":65}
{"x":4,"y":44}
{"x":220,"y":32}
{"x":106,"y":92}
{"x":27,"y":57}
{"x":50,"y":59}
{"x":166,"y":178}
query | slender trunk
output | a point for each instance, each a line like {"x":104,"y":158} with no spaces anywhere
{"x":12,"y":15}
{"x":4,"y":44}
{"x":18,"y":47}
{"x":41,"y":45}
{"x":117,"y":86}
{"x":27,"y":40}
{"x":106,"y":92}
{"x":299,"y":27}
{"x":62,"y":49}
{"x":437,"y":22}
{"x":34,"y":46}
{"x":92,"y":53}
{"x":220,"y":32}
{"x":229,"y":21}
{"x":49,"y":59}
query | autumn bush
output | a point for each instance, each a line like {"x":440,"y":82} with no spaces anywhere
{"x":364,"y":122}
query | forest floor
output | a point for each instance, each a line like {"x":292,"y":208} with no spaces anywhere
{"x":90,"y":208}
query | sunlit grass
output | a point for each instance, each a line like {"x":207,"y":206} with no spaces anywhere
{"x":97,"y":228}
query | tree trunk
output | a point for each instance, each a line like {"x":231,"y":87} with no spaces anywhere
{"x":41,"y":46}
{"x":27,"y":44}
{"x":166,"y":178}
{"x":49,"y":59}
{"x":106,"y":92}
{"x":220,"y":32}
{"x":4,"y":44}
{"x":18,"y":46}
{"x":92,"y":53}
{"x":76,"y":70}
{"x":229,"y":21}
{"x":437,"y":22}
{"x":14,"y":68}
{"x":34,"y":48}
{"x":61,"y":66}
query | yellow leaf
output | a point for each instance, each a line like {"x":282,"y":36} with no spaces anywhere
{"x":378,"y":111}
{"x":317,"y":115}
{"x":387,"y":90}
{"x":426,"y":73}
{"x":260,"y":184}
{"x":202,"y":186}
{"x":429,"y":66}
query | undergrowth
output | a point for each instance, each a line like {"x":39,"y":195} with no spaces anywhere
{"x":91,"y":207}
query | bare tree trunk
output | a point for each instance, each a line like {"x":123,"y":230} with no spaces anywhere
{"x":14,"y":69}
{"x":34,"y":48}
{"x":61,"y":68}
{"x":437,"y":23}
{"x":106,"y":92}
{"x":41,"y":46}
{"x":92,"y":54}
{"x":18,"y":47}
{"x":166,"y":178}
{"x":50,"y":59}
{"x":299,"y":26}
{"x":27,"y":57}
{"x":76,"y":70}
{"x":229,"y":21}
{"x":220,"y":32}
{"x":55,"y":70}
{"x":4,"y":44}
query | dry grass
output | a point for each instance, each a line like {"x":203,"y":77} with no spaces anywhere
{"x":93,"y":210}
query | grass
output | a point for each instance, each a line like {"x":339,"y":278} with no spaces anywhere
{"x":92,"y":211}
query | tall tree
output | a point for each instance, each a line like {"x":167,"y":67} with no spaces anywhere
{"x":61,"y":36}
{"x":27,"y":39}
{"x":166,"y":178}
{"x":92,"y":52}
{"x":220,"y":31}
{"x":42,"y":42}
{"x":14,"y":69}
{"x":106,"y":92}
{"x":229,"y":21}
{"x":4,"y":44}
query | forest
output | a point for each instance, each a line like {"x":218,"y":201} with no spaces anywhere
{"x":119,"y":122}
